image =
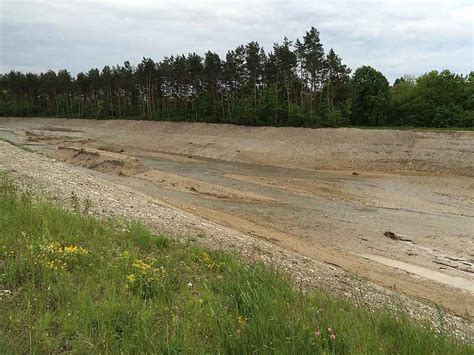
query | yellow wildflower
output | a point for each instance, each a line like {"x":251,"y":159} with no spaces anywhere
{"x":207,"y":260}
{"x":140,"y":264}
{"x":72,"y":250}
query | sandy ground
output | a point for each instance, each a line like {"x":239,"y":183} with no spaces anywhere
{"x":396,"y":207}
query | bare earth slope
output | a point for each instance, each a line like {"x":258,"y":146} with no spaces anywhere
{"x":333,"y":149}
{"x":396,"y":207}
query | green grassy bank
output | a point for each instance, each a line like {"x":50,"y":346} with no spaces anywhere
{"x":72,"y":283}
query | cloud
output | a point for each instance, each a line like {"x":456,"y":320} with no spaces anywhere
{"x":396,"y":37}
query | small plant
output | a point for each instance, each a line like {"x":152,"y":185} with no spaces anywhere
{"x":201,"y":235}
{"x":161,"y":241}
{"x":145,"y":280}
{"x":7,"y":187}
{"x":87,"y":205}
{"x":75,"y":202}
{"x":57,"y":256}
{"x":144,"y":238}
{"x":195,"y":238}
{"x":203,"y":257}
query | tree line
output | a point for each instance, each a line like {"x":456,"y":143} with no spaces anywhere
{"x":295,"y":84}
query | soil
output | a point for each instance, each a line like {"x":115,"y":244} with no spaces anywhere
{"x":331,"y":206}
{"x":107,"y":162}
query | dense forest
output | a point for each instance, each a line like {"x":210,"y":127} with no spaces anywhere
{"x":295,"y":84}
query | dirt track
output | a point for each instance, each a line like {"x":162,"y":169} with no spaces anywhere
{"x":275,"y":184}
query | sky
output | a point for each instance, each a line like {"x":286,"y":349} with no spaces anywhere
{"x":396,"y":37}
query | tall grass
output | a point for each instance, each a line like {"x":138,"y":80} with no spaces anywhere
{"x":73,"y":283}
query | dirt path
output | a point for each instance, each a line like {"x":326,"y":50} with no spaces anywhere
{"x":334,"y":216}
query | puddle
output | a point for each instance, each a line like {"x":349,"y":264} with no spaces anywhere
{"x":453,"y":281}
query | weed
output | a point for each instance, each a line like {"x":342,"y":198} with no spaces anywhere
{"x":87,"y":205}
{"x":75,"y":202}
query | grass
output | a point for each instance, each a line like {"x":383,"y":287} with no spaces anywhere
{"x":72,"y":283}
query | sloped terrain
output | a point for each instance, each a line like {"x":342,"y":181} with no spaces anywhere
{"x":334,"y":149}
{"x":395,"y":207}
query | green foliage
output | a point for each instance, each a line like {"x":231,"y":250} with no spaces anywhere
{"x":250,"y":87}
{"x":295,"y":84}
{"x":72,"y":283}
{"x":267,"y":110}
{"x":335,"y":118}
{"x":371,"y":97}
{"x":296,"y":116}
{"x":435,"y":99}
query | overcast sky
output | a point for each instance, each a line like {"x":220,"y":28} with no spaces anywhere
{"x":396,"y":37}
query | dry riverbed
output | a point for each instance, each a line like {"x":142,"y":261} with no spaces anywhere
{"x":379,"y":230}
